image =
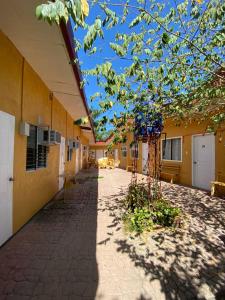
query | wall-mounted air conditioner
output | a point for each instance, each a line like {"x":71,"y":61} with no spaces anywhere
{"x":48,"y":137}
{"x":44,"y":136}
{"x":55,"y":137}
{"x":58,"y":137}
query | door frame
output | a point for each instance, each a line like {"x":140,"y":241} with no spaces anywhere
{"x":192,"y":155}
{"x":60,"y":147}
{"x":77,"y":160}
{"x":81,"y":156}
{"x":11,"y":213}
{"x":116,"y":153}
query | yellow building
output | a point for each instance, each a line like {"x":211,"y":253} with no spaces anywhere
{"x":188,"y":154}
{"x":40,"y":98}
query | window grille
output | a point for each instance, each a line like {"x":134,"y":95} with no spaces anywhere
{"x":36,"y":152}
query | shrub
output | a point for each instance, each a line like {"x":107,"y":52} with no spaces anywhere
{"x":140,"y":220}
{"x":142,"y":216}
{"x":164,"y":214}
{"x":137,"y":196}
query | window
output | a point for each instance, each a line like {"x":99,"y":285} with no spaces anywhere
{"x":124,"y":151}
{"x":42,"y":156}
{"x":134,"y":153}
{"x":171,"y":149}
{"x":32,"y":149}
{"x":36,"y":152}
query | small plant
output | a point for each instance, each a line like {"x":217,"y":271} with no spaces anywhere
{"x":164,"y":214}
{"x":137,"y":196}
{"x":143,"y":216}
{"x":140,"y":220}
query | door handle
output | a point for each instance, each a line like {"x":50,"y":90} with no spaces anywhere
{"x":11,"y":179}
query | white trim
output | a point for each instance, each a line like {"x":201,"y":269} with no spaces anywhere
{"x":7,"y":135}
{"x":192,"y":156}
{"x":181,"y":148}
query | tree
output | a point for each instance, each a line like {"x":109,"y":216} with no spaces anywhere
{"x":174,"y":54}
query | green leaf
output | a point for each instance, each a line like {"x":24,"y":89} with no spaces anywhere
{"x":165,"y":38}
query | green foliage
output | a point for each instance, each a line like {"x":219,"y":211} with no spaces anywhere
{"x":54,"y":12}
{"x":81,"y":121}
{"x":137,"y":196}
{"x":102,"y":135}
{"x":94,"y":31}
{"x":140,"y":215}
{"x":174,"y":54}
{"x":146,"y":219}
{"x":164,"y":214}
{"x":138,"y":221}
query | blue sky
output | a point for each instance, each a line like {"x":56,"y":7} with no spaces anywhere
{"x":104,"y":53}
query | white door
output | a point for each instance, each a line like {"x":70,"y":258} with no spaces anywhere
{"x":7,"y":132}
{"x":144,"y":158}
{"x":61,"y":162}
{"x":116,"y":154}
{"x":99,"y":154}
{"x":203,"y":160}
{"x":81,"y":156}
{"x":77,"y":168}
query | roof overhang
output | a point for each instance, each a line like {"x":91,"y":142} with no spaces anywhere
{"x":105,"y":142}
{"x":50,"y":52}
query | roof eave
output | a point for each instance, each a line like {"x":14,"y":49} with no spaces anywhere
{"x":67,"y":33}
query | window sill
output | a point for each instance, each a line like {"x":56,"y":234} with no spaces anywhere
{"x":171,"y":160}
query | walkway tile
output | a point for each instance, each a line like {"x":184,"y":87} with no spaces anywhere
{"x":77,"y":248}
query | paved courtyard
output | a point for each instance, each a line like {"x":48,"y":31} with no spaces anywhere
{"x":77,"y":248}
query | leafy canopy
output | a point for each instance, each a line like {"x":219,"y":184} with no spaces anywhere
{"x":173,"y":52}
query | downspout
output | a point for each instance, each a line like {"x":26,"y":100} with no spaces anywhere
{"x":21,"y":89}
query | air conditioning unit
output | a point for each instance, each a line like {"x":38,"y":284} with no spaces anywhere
{"x":58,"y":138}
{"x":46,"y":136}
{"x":55,"y":137}
{"x":43,"y":136}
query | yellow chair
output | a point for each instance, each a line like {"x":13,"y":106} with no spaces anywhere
{"x":111,"y":163}
{"x":102,"y":162}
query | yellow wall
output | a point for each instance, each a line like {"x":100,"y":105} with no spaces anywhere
{"x":95,"y":147}
{"x":186,"y":132}
{"x":128,"y":161}
{"x":25,"y":96}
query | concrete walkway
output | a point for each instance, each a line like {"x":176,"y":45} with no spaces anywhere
{"x":77,"y":249}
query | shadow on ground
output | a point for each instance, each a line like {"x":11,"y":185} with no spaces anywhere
{"x":54,"y":255}
{"x":187,"y":263}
